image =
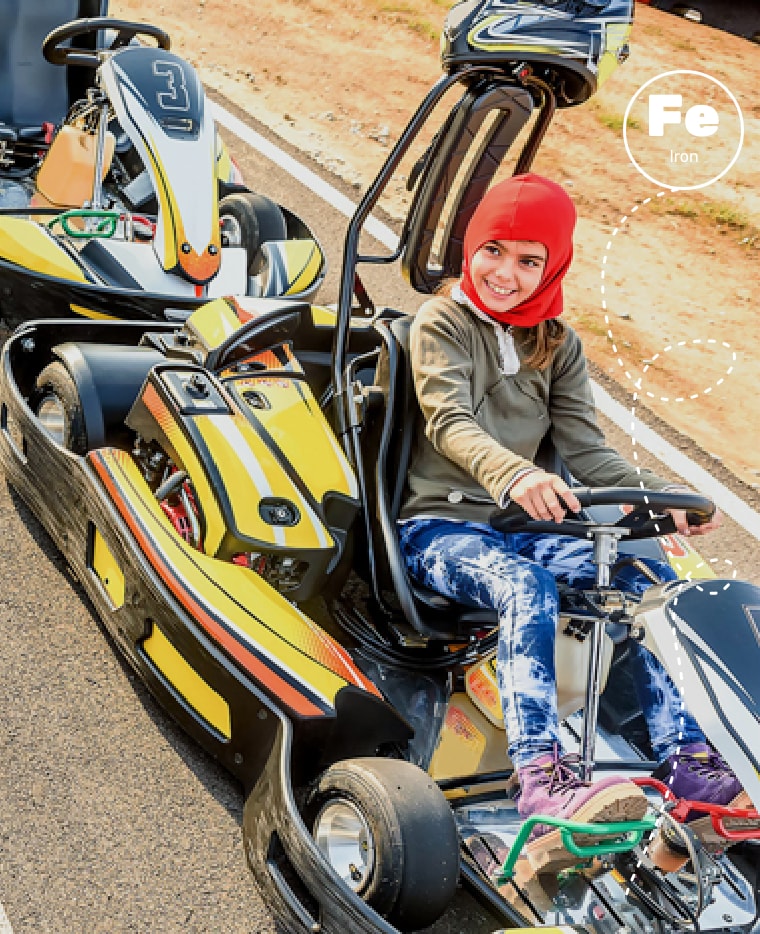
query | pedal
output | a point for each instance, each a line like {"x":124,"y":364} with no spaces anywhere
{"x":717,"y":828}
{"x":488,"y":850}
{"x":530,"y":890}
{"x":527,"y":889}
{"x":667,"y":848}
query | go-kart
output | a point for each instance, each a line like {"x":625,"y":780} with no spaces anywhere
{"x":130,"y":206}
{"x":226,"y":492}
{"x":741,"y":17}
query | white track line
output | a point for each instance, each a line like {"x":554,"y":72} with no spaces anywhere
{"x":692,"y":473}
{"x":305,"y":176}
{"x":5,"y":925}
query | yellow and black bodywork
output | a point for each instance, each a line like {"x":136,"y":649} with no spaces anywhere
{"x":220,"y":642}
{"x":223,"y":646}
{"x":45,"y":273}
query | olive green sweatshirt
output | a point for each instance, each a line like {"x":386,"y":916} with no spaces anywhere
{"x":483,"y":426}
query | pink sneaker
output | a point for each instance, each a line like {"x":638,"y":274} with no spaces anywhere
{"x":550,"y":787}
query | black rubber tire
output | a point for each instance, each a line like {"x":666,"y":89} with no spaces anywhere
{"x":238,"y":207}
{"x":260,"y":220}
{"x":56,"y":381}
{"x":269,"y":216}
{"x":416,"y":857}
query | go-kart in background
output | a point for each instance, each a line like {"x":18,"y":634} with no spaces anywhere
{"x":339,"y":81}
{"x":740,"y":16}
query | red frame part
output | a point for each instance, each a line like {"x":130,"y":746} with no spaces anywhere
{"x":718,"y":812}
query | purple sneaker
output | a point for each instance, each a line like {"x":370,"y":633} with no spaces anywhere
{"x":549,"y":786}
{"x":699,"y":773}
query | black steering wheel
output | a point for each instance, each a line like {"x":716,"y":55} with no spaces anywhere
{"x":56,"y":53}
{"x":648,"y":519}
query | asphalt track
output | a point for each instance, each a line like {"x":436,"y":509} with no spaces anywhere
{"x":110,"y":819}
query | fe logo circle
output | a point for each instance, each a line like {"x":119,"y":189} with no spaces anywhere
{"x":683,"y":130}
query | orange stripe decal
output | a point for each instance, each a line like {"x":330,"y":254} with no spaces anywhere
{"x":285,"y":692}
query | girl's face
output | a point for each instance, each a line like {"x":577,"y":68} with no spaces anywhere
{"x":507,"y":272}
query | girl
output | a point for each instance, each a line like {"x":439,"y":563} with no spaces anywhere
{"x":494,"y":370}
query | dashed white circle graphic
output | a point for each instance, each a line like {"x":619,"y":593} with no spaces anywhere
{"x":637,"y":381}
{"x":686,"y":573}
{"x":704,"y":584}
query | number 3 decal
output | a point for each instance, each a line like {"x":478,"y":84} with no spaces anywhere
{"x":175,"y":97}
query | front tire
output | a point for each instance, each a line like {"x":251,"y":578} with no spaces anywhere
{"x":57,"y":405}
{"x":387,"y":830}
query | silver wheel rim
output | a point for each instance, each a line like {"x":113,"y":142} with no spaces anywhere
{"x":52,"y":416}
{"x":231,"y":230}
{"x":691,"y":14}
{"x":344,"y":837}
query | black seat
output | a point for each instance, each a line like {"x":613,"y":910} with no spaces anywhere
{"x":391,"y":424}
{"x":32,"y":91}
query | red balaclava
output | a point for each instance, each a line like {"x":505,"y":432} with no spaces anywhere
{"x":524,"y":207}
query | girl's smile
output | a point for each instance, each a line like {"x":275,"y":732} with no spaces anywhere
{"x":507,"y":272}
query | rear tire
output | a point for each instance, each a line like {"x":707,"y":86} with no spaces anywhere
{"x":269,"y":216}
{"x":57,"y":405}
{"x":251,"y":220}
{"x":395,"y":821}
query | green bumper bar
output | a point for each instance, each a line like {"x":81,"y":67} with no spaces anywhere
{"x":627,"y":835}
{"x":105,"y":225}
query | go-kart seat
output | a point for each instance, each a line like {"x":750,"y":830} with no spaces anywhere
{"x":386,"y":450}
{"x":392,"y":425}
{"x":31,"y":89}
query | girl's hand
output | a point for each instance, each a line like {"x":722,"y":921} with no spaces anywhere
{"x":544,"y":496}
{"x":679,"y":518}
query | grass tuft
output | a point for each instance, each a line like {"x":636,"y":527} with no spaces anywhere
{"x":407,"y":13}
{"x":721,"y":214}
{"x":616,"y":122}
{"x":726,"y":215}
{"x":425,"y":28}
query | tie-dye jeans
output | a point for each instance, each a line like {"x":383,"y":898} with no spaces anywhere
{"x":516,"y":575}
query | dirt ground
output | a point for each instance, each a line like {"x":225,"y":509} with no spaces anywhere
{"x":681,"y":269}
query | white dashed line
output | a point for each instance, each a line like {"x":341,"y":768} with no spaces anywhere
{"x":642,"y":436}
{"x":5,"y":925}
